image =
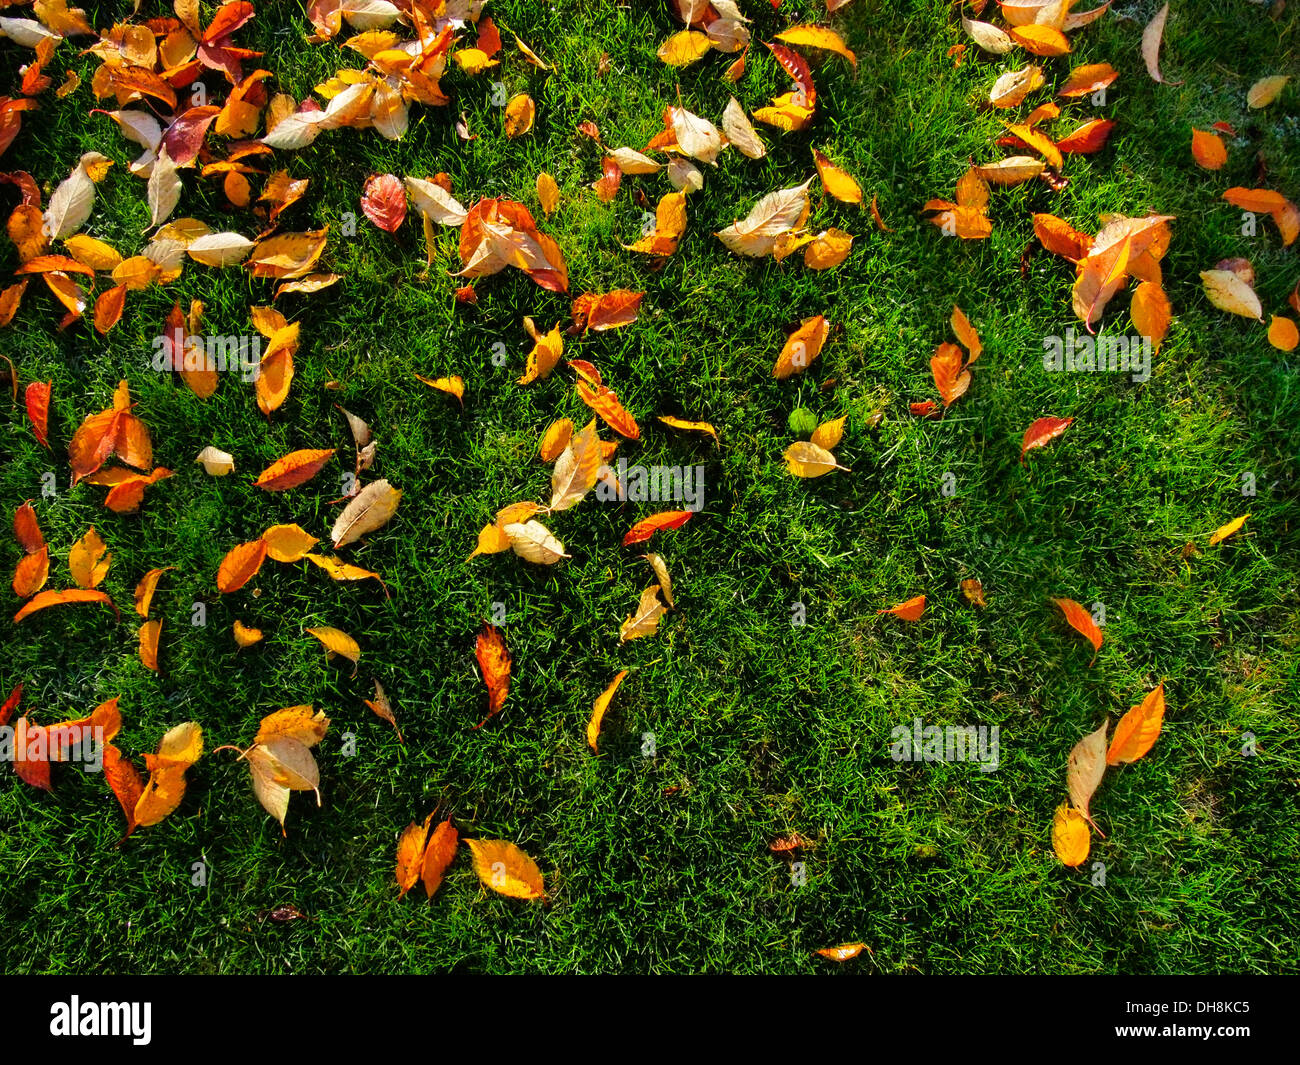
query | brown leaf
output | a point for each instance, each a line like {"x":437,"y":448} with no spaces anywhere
{"x":383,"y":708}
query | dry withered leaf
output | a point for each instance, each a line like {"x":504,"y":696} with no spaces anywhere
{"x":370,"y":509}
{"x":1086,"y":767}
{"x":644,"y":620}
{"x":384,"y":709}
{"x":805,"y":459}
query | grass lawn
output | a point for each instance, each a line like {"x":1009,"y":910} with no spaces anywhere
{"x":760,"y":727}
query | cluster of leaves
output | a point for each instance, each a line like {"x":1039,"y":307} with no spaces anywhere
{"x":407,"y":50}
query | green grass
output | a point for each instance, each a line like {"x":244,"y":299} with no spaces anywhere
{"x":761,"y":728}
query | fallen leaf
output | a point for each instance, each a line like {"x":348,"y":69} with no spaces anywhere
{"x":1137,"y":731}
{"x":506,"y":869}
{"x":494,"y":663}
{"x":1081,"y":621}
{"x":1085,"y":769}
{"x":1042,"y":432}
{"x":600,"y":707}
{"x":1071,"y":837}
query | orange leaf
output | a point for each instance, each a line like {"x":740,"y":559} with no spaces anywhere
{"x":240,"y":565}
{"x":438,"y":855}
{"x":643,"y":530}
{"x":1137,"y":730}
{"x":52,"y":598}
{"x":1081,"y":621}
{"x":1208,"y":150}
{"x":37,"y":399}
{"x":292,"y":470}
{"x":910,"y":610}
{"x":605,"y":403}
{"x":410,"y":856}
{"x":494,"y":661}
{"x":950,"y":378}
{"x":125,"y":782}
{"x":1042,"y":432}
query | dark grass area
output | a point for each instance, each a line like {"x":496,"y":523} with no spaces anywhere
{"x":760,"y":727}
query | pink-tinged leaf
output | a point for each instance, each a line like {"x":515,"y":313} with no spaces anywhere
{"x":184,"y":137}
{"x":1042,"y":432}
{"x":384,"y":202}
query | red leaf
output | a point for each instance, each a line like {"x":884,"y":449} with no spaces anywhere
{"x":643,"y":530}
{"x":38,"y":409}
{"x":35,"y":771}
{"x":1043,"y":431}
{"x":384,"y":202}
{"x":229,"y":17}
{"x":1088,"y":138}
{"x":184,"y":137}
{"x":10,"y":705}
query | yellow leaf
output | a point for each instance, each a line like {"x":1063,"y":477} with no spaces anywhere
{"x":1224,"y":531}
{"x":245,"y":636}
{"x":288,"y":543}
{"x":828,"y":434}
{"x":599,"y":708}
{"x":520,"y":114}
{"x":337,"y":642}
{"x":506,"y":869}
{"x":818,"y":37}
{"x":453,"y":386}
{"x":682,"y":423}
{"x":1071,"y":837}
{"x":548,"y":193}
{"x":88,"y":561}
{"x":684,"y":48}
{"x":835,"y":181}
{"x":805,"y":459}
{"x":301,"y":723}
{"x":1266,"y":90}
